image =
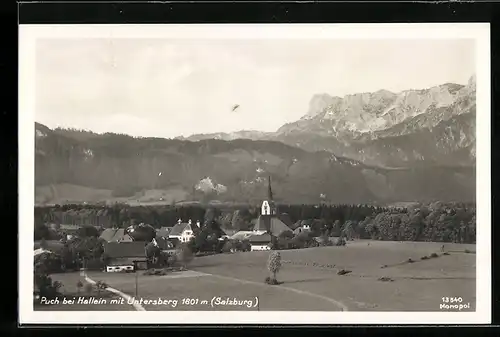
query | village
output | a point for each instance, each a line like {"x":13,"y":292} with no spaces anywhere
{"x":123,"y":253}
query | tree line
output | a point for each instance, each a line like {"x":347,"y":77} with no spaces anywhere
{"x":441,"y":222}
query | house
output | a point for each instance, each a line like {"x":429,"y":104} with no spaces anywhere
{"x":183,"y":231}
{"x":260,"y":242}
{"x":303,"y":226}
{"x":125,"y":256}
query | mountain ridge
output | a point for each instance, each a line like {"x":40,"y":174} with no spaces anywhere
{"x":347,"y":125}
{"x":130,"y":168}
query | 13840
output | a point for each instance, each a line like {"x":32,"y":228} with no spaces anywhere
{"x":451,"y":299}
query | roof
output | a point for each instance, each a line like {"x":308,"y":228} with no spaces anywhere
{"x":264,"y":238}
{"x":163,"y":231}
{"x":285,"y":218}
{"x":241,"y":235}
{"x":300,"y":230}
{"x":308,"y":222}
{"x":125,"y":238}
{"x":119,"y":234}
{"x":40,"y":251}
{"x":126,"y":249}
{"x":229,"y":232}
{"x":277,"y":226}
{"x":295,"y":225}
{"x":178,"y":228}
{"x":108,"y":234}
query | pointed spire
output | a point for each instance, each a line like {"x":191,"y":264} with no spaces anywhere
{"x":269,"y":189}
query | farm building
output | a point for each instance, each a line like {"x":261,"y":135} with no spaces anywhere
{"x":125,"y":256}
{"x":184,"y":231}
{"x":260,"y":242}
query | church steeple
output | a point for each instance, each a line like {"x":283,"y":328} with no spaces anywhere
{"x":268,"y":206}
{"x":269,"y":189}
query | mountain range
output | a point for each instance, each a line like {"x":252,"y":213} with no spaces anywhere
{"x":435,"y":125}
{"x":416,"y":145}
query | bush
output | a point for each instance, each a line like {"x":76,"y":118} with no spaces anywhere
{"x":343,"y":272}
{"x":271,"y":281}
{"x":386,"y":279}
{"x":94,"y":264}
{"x":88,"y":288}
{"x":156,"y":272}
{"x":184,"y":255}
{"x":171,"y":260}
{"x":434,"y":255}
{"x":424,"y":258}
{"x":410,"y":261}
{"x":446,"y":253}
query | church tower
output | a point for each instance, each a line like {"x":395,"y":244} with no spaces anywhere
{"x":268,"y":208}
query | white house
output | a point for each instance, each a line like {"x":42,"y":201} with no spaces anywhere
{"x":260,"y":242}
{"x":125,"y":256}
{"x":182,"y":231}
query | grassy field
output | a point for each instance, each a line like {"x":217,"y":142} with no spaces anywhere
{"x":310,"y":279}
{"x":70,"y":291}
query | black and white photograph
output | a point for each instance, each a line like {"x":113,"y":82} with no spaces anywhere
{"x":284,"y":174}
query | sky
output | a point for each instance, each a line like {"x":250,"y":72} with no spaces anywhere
{"x":178,"y":87}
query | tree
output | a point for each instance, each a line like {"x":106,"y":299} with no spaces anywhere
{"x":153,"y":253}
{"x":100,"y":285}
{"x":184,"y":255}
{"x":228,"y":247}
{"x":348,"y":230}
{"x":143,"y":233}
{"x":43,"y":244}
{"x":274,"y":265}
{"x":88,"y":231}
{"x":42,"y":232}
{"x":286,"y":235}
{"x":336,"y":228}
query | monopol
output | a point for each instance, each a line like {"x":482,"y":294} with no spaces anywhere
{"x":454,"y":306}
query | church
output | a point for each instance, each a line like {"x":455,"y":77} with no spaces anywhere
{"x":268,"y":224}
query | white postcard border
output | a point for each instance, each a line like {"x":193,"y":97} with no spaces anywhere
{"x":28,"y":34}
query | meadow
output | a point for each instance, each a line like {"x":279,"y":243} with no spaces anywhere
{"x":380,"y":278}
